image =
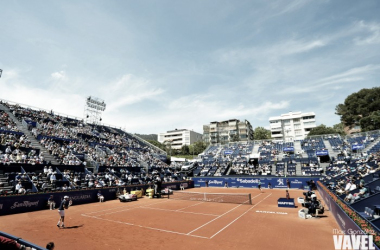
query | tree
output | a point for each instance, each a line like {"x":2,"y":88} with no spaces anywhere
{"x":157,"y":144}
{"x":261,"y":133}
{"x":371,"y":122}
{"x":321,"y":130}
{"x":358,"y":106}
{"x":339,"y":129}
{"x":185,"y":150}
{"x":197,"y":147}
{"x":235,"y":138}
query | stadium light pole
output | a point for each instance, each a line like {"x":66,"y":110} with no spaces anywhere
{"x":93,"y":109}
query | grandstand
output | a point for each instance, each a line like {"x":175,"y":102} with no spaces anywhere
{"x":31,"y":136}
{"x":43,"y":153}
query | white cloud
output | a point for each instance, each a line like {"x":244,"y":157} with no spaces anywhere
{"x":59,"y":75}
{"x":294,"y":47}
{"x":127,"y":90}
{"x":372,"y":30}
{"x":352,"y":75}
{"x":16,"y":89}
{"x":269,"y":53}
{"x":292,"y":6}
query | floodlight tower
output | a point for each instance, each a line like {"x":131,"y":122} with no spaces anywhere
{"x":93,"y":109}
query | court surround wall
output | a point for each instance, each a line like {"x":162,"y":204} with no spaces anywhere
{"x":345,"y":223}
{"x":253,"y":182}
{"x":34,"y":202}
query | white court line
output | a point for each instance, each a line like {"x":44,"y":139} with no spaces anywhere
{"x":219,"y":216}
{"x":189,"y":206}
{"x":176,"y":211}
{"x":99,"y":211}
{"x":135,"y":207}
{"x":214,"y":219}
{"x":239,"y":217}
{"x":158,"y":229}
{"x":152,"y":228}
{"x":128,"y":208}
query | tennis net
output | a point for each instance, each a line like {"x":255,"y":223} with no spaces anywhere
{"x":213,"y":197}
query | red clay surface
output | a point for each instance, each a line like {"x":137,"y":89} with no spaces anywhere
{"x":176,"y":224}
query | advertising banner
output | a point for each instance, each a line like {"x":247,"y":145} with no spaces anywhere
{"x":322,"y":152}
{"x":283,"y":202}
{"x":253,"y":182}
{"x":34,"y":202}
{"x":358,"y":146}
{"x":288,"y":149}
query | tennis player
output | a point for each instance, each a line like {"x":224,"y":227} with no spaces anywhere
{"x":65,"y":204}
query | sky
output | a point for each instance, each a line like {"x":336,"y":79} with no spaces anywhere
{"x":161,"y":65}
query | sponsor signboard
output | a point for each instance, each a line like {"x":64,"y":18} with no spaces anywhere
{"x":283,"y":202}
{"x":322,"y":152}
{"x":252,"y":182}
{"x":288,"y":149}
{"x":25,"y":204}
{"x":33,"y":202}
{"x":358,"y":146}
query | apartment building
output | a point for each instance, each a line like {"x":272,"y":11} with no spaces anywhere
{"x":227,"y":131}
{"x":179,"y":137}
{"x":292,"y":126}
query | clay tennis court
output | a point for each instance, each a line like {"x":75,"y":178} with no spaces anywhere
{"x":178,"y":224}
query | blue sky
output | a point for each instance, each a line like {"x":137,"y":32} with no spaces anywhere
{"x":161,"y":65}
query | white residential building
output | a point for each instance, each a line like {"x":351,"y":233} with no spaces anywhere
{"x":292,"y":126}
{"x":179,"y":137}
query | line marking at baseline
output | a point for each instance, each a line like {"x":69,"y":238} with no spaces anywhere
{"x":128,"y":208}
{"x":135,"y":207}
{"x":239,"y":216}
{"x":152,"y":228}
{"x":110,"y":209}
{"x":176,"y":211}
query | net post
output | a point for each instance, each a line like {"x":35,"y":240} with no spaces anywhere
{"x":250,"y":199}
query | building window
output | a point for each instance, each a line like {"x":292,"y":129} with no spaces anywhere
{"x":309,"y":123}
{"x":308,"y":117}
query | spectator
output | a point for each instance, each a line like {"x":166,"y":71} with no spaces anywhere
{"x":22,"y":190}
{"x":51,"y":202}
{"x":100,"y":196}
{"x":53,"y":178}
{"x":9,"y":244}
{"x":18,"y":186}
{"x":50,"y":246}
